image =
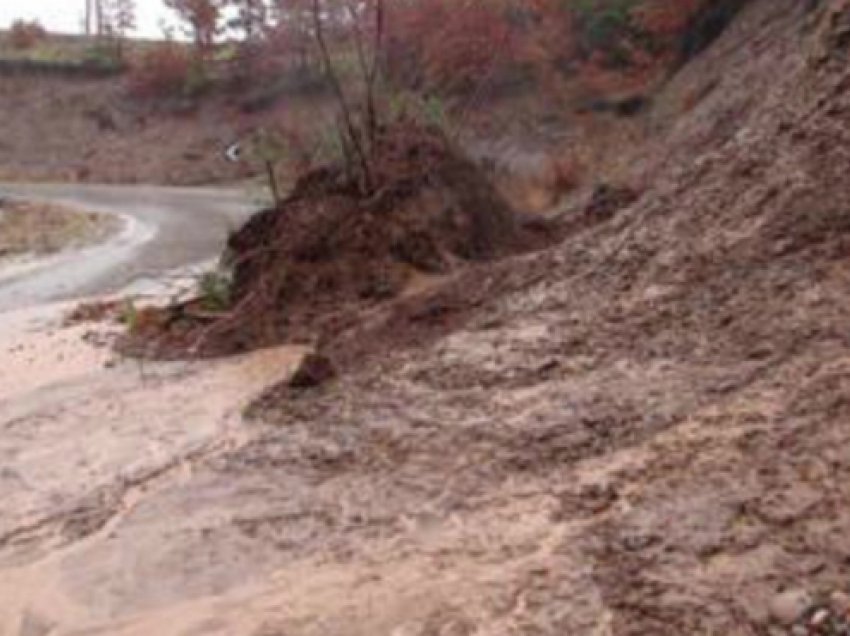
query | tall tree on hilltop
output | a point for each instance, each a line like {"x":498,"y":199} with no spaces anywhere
{"x":124,"y":16}
{"x":118,"y":19}
{"x":94,"y":17}
{"x":252,"y":18}
{"x":202,"y":19}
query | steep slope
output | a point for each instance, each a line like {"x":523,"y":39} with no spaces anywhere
{"x":670,"y":388}
{"x":76,"y":129}
{"x":642,"y":430}
{"x":72,"y":129}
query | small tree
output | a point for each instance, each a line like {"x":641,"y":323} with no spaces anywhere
{"x":448,"y":46}
{"x":94,"y":17}
{"x":160,"y":72}
{"x":124,"y":16}
{"x":25,"y":35}
{"x":251,"y":19}
{"x":117,"y":19}
{"x":290,"y":33}
{"x":202,"y":20}
{"x":359,"y":116}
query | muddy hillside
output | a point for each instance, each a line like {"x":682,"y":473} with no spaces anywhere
{"x":643,"y":429}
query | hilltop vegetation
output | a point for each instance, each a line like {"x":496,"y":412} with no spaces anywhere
{"x":528,"y":71}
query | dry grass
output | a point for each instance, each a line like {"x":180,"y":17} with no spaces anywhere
{"x":41,"y":229}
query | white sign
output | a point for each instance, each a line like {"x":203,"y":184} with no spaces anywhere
{"x":233,"y":152}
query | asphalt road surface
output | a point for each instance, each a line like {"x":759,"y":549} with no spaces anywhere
{"x":165,"y":229}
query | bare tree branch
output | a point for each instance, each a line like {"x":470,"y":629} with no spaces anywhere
{"x":352,"y":132}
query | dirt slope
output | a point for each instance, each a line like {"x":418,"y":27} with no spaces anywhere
{"x":89,"y":130}
{"x":667,"y":393}
{"x":642,"y":430}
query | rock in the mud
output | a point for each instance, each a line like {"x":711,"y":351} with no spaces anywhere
{"x":315,"y":369}
{"x":606,"y":200}
{"x":840,"y":603}
{"x":819,"y":618}
{"x":34,"y":625}
{"x":789,"y":606}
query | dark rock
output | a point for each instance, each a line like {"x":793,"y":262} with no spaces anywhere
{"x":787,"y":607}
{"x":607,"y":199}
{"x":314,"y":370}
{"x":707,"y":25}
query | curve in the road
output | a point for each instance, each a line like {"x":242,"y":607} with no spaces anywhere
{"x":165,"y":229}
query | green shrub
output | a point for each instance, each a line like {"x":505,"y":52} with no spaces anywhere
{"x":104,"y":56}
{"x":215,"y":290}
{"x":604,"y":26}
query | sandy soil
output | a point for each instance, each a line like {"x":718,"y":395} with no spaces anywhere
{"x":85,"y":436}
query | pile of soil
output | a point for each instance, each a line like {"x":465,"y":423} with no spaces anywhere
{"x":330,"y":249}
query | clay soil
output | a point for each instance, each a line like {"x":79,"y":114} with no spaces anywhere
{"x":331,"y":252}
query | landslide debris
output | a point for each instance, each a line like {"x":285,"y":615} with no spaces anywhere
{"x":329,"y":247}
{"x":641,"y":429}
{"x":674,"y":381}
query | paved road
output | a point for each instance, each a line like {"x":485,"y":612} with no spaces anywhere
{"x":166,"y":228}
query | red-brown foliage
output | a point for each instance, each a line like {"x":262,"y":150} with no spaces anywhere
{"x":447,"y":45}
{"x":452,"y":45}
{"x":162,"y":71}
{"x":25,"y":35}
{"x":203,"y":19}
{"x":665,"y":18}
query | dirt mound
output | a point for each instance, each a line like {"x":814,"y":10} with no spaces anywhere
{"x":329,"y":247}
{"x":433,"y":209}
